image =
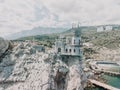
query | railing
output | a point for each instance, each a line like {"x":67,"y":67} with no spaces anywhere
{"x":71,"y":54}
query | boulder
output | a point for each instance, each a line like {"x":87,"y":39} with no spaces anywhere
{"x":4,"y":45}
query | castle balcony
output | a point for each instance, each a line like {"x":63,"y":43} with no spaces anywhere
{"x":72,"y":54}
{"x":73,"y":44}
{"x":76,"y":44}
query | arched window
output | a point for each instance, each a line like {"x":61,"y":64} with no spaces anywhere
{"x":59,"y":49}
{"x":74,"y":50}
{"x":79,"y":50}
{"x":66,"y":50}
{"x":70,"y":50}
{"x":74,"y":41}
{"x":79,"y":42}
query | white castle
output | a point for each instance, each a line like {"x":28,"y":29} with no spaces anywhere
{"x":69,"y":45}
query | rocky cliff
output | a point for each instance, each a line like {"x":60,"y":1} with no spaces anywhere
{"x":25,"y":68}
{"x":4,"y":45}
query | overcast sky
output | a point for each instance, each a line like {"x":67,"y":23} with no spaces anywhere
{"x":17,"y":15}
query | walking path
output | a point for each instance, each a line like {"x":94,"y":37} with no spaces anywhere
{"x":105,"y":86}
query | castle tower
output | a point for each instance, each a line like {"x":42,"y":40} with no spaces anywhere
{"x":72,"y":45}
{"x":76,"y":41}
{"x":59,"y":45}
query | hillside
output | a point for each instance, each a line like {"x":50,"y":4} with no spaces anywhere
{"x":35,"y":31}
{"x":46,"y":39}
{"x":109,"y":39}
{"x":89,"y":34}
{"x":102,"y":45}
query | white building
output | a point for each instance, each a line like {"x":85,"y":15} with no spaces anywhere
{"x":71,"y":46}
{"x":104,"y":28}
{"x":100,"y":29}
{"x":108,"y":28}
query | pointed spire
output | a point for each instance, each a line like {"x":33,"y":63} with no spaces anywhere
{"x":79,"y":24}
{"x":73,"y":25}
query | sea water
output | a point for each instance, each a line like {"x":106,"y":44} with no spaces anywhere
{"x":112,"y":80}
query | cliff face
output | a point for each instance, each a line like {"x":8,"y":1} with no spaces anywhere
{"x":77,"y":78}
{"x":68,"y":73}
{"x":24,"y":68}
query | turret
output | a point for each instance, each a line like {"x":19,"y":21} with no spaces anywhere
{"x":76,"y":36}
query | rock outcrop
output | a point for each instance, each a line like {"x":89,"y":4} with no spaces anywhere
{"x":26,"y":68}
{"x":76,"y":78}
{"x":23,"y":68}
{"x":68,"y":73}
